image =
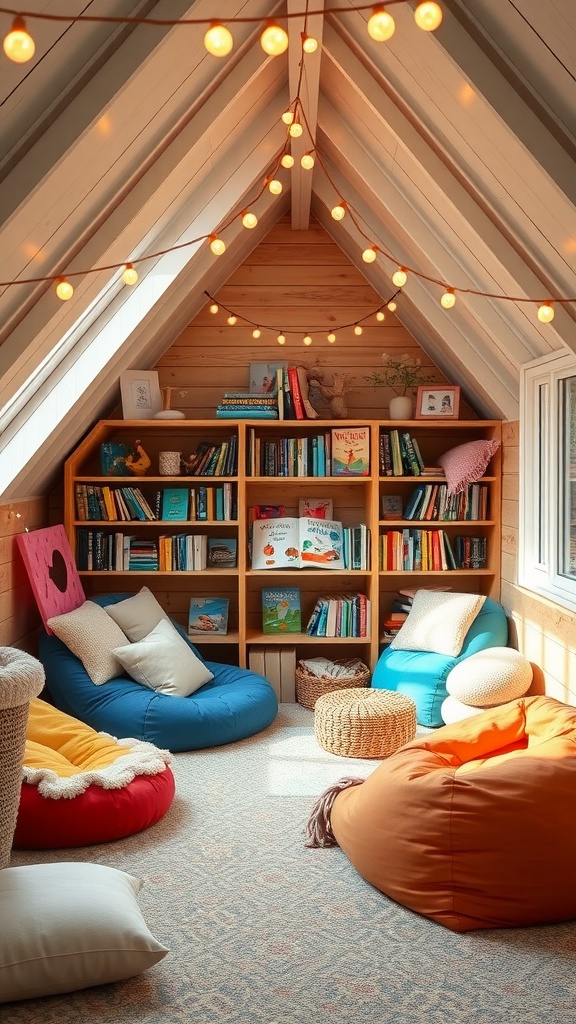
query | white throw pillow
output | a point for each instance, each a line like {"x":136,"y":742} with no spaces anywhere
{"x":69,"y":926}
{"x":453,"y":710}
{"x":92,"y":636}
{"x":137,"y":615}
{"x":490,"y":677}
{"x":438,"y":622}
{"x":164,"y":662}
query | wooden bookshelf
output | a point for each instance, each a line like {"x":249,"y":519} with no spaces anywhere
{"x":355,"y":499}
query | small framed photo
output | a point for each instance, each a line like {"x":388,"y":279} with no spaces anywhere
{"x":437,"y":403}
{"x":264,"y":378}
{"x":141,"y":397}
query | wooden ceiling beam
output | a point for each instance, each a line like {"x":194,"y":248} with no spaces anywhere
{"x":304,"y":82}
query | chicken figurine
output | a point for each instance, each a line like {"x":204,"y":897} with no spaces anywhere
{"x":138,"y":462}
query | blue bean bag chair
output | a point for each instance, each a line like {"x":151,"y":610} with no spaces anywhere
{"x":422,"y":675}
{"x":235,"y":704}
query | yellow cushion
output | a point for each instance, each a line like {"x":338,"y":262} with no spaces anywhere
{"x":61,"y":743}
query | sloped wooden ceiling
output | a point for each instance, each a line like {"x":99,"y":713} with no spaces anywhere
{"x":454,"y":149}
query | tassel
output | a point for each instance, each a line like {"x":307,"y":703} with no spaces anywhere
{"x":318,"y":828}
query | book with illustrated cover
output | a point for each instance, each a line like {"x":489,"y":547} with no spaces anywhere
{"x":175,"y":503}
{"x":222,"y":552}
{"x":350,"y":451}
{"x":318,"y":508}
{"x":208,"y":615}
{"x":391,"y":506}
{"x":281,"y":610}
{"x":297,"y":543}
{"x":264,"y":378}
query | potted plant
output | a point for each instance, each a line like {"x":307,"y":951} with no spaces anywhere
{"x":403,"y":375}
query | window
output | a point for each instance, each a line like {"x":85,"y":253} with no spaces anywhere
{"x":548,"y":478}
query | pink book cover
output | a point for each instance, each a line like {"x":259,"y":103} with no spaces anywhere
{"x":52,"y":571}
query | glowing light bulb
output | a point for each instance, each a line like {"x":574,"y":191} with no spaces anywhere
{"x":546,"y":313}
{"x":18,"y":44}
{"x":369,"y":255}
{"x":214,"y":308}
{"x":307,"y":339}
{"x":399,"y":277}
{"x":288,"y":116}
{"x":331,"y":337}
{"x":295,"y":130}
{"x":307,"y":161}
{"x":287,"y":160}
{"x":256,"y":333}
{"x":281,"y":339}
{"x":339,"y":211}
{"x":249,"y":220}
{"x":129,"y":275}
{"x":380,"y":25}
{"x":428,"y":16}
{"x":218,"y":41}
{"x":274,"y":40}
{"x":391,"y":306}
{"x":275,"y":186}
{"x":448,"y":299}
{"x":380,"y":315}
{"x":358,"y":330}
{"x":64,"y":289}
{"x":217,"y":246}
{"x":232,"y":320}
{"x":309,"y":45}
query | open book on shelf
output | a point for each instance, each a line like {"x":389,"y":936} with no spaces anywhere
{"x":297,"y":543}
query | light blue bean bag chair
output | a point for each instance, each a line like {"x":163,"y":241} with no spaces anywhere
{"x":235,"y":704}
{"x":422,"y":675}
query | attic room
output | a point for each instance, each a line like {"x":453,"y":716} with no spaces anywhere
{"x":363,"y":205}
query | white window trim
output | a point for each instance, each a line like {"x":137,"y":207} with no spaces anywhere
{"x":537,"y":575}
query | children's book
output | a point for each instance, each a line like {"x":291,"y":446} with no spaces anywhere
{"x":318,"y":508}
{"x":208,"y":615}
{"x":297,"y":543}
{"x":222,"y":552}
{"x":175,"y":503}
{"x":350,"y":451}
{"x":391,"y":506}
{"x":264,"y":378}
{"x":281,"y":610}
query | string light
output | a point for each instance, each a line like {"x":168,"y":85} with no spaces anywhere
{"x":309,"y":45}
{"x":281,"y":339}
{"x":64,"y":289}
{"x":380,"y":315}
{"x":331,"y":337}
{"x":214,"y":308}
{"x":217,"y":245}
{"x":448,"y":299}
{"x":307,"y":161}
{"x":275,"y":186}
{"x":307,"y":339}
{"x":232,"y":320}
{"x":546,"y":312}
{"x":288,"y":117}
{"x":287,"y":160}
{"x":256,"y":333}
{"x":399,"y":277}
{"x":391,"y":306}
{"x":129,"y":274}
{"x":380,"y":25}
{"x":339,"y":211}
{"x":249,"y":220}
{"x":274,"y":40}
{"x":369,"y":255}
{"x":295,"y":130}
{"x":218,"y":41}
{"x":18,"y":45}
{"x":428,"y":16}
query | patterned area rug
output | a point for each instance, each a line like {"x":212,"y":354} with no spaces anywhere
{"x":262,"y":930}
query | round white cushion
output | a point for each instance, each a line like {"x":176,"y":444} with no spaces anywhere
{"x":453,"y":710}
{"x":490,"y":677}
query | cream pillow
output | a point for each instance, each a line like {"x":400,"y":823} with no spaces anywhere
{"x":137,"y":615}
{"x":164,"y":662}
{"x":68,"y":926}
{"x":438,"y":622}
{"x":490,"y":677}
{"x":92,"y":636}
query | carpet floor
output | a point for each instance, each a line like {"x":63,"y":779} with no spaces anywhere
{"x":262,"y":930}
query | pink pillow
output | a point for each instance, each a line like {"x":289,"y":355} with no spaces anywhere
{"x":466,"y":463}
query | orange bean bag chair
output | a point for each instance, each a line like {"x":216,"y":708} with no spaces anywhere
{"x":472,"y":826}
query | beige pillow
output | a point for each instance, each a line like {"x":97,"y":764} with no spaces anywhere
{"x":164,"y":662}
{"x":92,"y":636}
{"x":137,"y":615}
{"x":68,"y":926}
{"x":438,"y":622}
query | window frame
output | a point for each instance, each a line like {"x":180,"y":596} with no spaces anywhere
{"x":542,"y":448}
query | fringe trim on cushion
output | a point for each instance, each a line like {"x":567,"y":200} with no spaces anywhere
{"x":142,"y":759}
{"x":318,"y":828}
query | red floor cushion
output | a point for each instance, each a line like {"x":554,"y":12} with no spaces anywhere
{"x":82,"y":787}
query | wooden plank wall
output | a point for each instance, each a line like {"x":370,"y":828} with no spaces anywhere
{"x":293,"y":281}
{"x":543,"y":631}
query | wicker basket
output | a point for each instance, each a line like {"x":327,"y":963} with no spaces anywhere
{"x":309,"y":686}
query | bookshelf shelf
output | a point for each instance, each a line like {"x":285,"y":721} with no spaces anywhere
{"x":356,"y":499}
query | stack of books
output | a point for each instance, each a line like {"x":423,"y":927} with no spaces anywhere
{"x":242,"y":405}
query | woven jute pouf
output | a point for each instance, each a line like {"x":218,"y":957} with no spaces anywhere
{"x":364,"y":723}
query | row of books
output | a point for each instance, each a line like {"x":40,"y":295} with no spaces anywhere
{"x":214,"y":459}
{"x":99,"y":550}
{"x":305,"y":542}
{"x":342,"y":615}
{"x":170,"y":504}
{"x":429,"y":550}
{"x":399,"y":454}
{"x":432,"y":502}
{"x":340,"y":451}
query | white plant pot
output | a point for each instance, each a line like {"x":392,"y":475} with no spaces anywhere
{"x":401,"y":407}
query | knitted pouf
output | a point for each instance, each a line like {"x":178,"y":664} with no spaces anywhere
{"x":364,"y":722}
{"x":21,"y":679}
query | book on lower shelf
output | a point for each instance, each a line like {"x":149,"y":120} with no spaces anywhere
{"x":297,"y":543}
{"x":281,"y":611}
{"x":350,"y":451}
{"x":222,"y":552}
{"x":208,"y":615}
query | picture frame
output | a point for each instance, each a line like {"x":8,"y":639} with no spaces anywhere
{"x":141,"y":396}
{"x":437,"y":402}
{"x":263,"y":377}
